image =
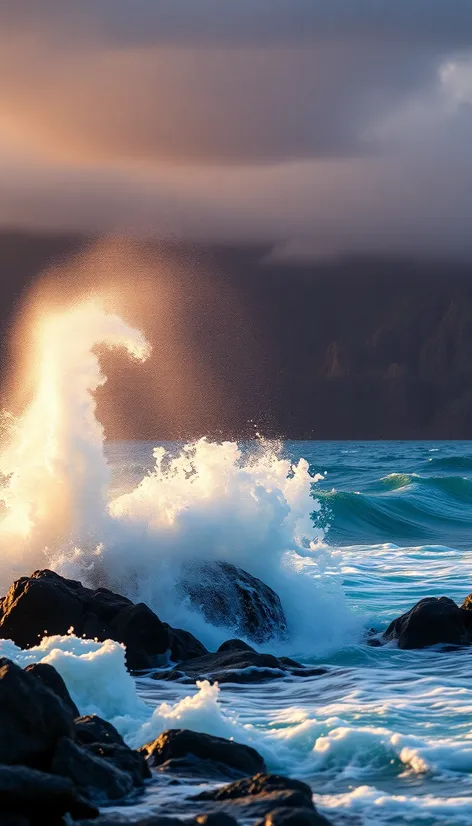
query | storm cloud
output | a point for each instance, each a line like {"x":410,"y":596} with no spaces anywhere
{"x":321,"y":126}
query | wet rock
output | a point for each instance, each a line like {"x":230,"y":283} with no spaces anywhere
{"x":243,"y":665}
{"x":96,"y":778}
{"x":184,"y":751}
{"x":261,"y":794}
{"x":53,"y":680}
{"x":32,"y":718}
{"x":92,"y":729}
{"x":123,"y":758}
{"x":183,"y":645}
{"x":215,"y":819}
{"x":432,"y":621}
{"x":228,"y":596}
{"x":234,"y":645}
{"x":259,"y":785}
{"x":293,"y":817}
{"x":48,"y":603}
{"x":39,"y":796}
{"x":144,"y":635}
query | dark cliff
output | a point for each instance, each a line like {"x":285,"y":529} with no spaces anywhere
{"x":359,"y":349}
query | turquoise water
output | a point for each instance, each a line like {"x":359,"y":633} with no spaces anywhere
{"x":385,"y":737}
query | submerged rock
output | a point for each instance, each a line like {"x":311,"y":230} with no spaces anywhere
{"x":190,"y":752}
{"x":432,"y":621}
{"x":230,"y":597}
{"x":46,"y":603}
{"x":237,"y":665}
{"x":261,"y":794}
{"x":32,"y":718}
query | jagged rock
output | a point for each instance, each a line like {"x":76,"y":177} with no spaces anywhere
{"x":123,"y":758}
{"x":53,"y":680}
{"x":242,"y":665}
{"x":467,"y":604}
{"x":96,"y":778}
{"x":92,"y":729}
{"x":432,"y":621}
{"x":40,"y":796}
{"x":293,"y":817}
{"x":261,"y":794}
{"x":190,"y":752}
{"x":32,"y":718}
{"x":102,"y":739}
{"x":228,"y":596}
{"x":48,"y":603}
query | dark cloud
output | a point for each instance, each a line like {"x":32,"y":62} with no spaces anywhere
{"x":321,"y":125}
{"x":246,"y":21}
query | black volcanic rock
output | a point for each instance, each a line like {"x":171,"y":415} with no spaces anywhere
{"x":32,"y":718}
{"x":123,"y":758}
{"x":261,"y":794}
{"x":97,"y":779}
{"x":48,"y":603}
{"x":183,"y":645}
{"x":234,"y":645}
{"x":53,"y":680}
{"x":178,"y":748}
{"x":229,"y":596}
{"x":42,"y":798}
{"x":293,"y":817}
{"x":239,"y":665}
{"x":103,"y":740}
{"x":92,"y":729}
{"x":432,"y":621}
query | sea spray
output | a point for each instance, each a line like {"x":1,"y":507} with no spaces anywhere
{"x":252,"y":507}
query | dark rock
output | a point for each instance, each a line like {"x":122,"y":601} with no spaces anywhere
{"x":44,"y":603}
{"x":432,"y":621}
{"x":40,"y":796}
{"x":237,"y":666}
{"x":47,"y":603}
{"x":259,"y":785}
{"x":95,"y":778}
{"x":215,"y":819}
{"x":467,"y":604}
{"x":234,"y":645}
{"x":92,"y":729}
{"x":144,"y":635}
{"x":123,"y":758}
{"x":230,"y":597}
{"x":32,"y":718}
{"x":293,"y":817}
{"x":183,"y":645}
{"x":14,"y":820}
{"x":50,"y":677}
{"x":175,"y":745}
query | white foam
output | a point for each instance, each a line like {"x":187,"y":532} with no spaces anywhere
{"x":210,"y":501}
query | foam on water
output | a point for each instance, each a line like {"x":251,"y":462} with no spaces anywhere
{"x":253,"y":508}
{"x":384,"y":736}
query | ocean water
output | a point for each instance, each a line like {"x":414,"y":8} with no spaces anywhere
{"x":349,"y":535}
{"x":385,"y":737}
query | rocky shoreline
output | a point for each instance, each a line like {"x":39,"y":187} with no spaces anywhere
{"x":56,"y":765}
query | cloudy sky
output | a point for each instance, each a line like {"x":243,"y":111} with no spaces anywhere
{"x":320,"y":126}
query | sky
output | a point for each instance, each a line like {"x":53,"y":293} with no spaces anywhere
{"x":319,"y":127}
